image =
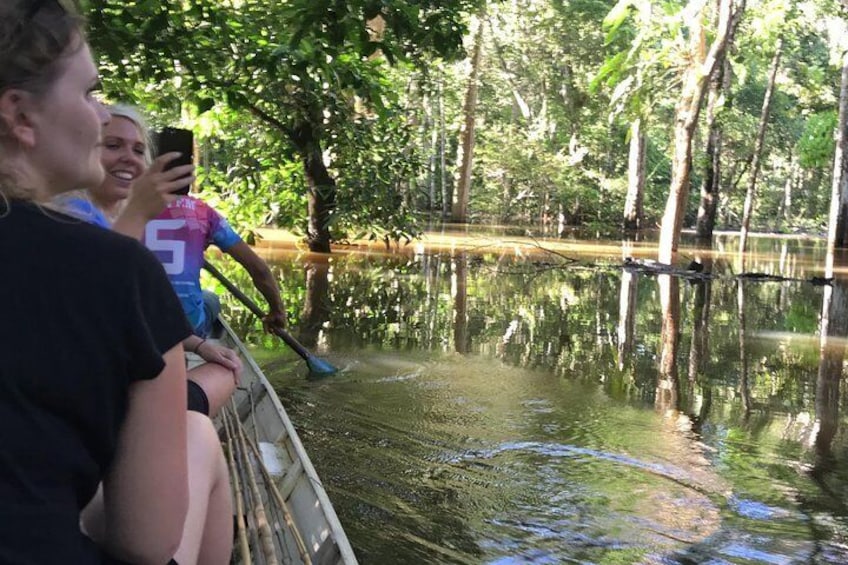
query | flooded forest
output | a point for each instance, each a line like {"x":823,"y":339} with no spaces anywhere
{"x":582,"y":264}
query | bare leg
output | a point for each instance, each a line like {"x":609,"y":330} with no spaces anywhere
{"x":217,"y":382}
{"x":208,"y":531}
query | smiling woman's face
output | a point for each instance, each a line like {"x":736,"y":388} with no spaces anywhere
{"x":123,"y":159}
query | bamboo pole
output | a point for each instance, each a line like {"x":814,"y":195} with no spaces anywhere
{"x":276,"y":510}
{"x":265,"y":534}
{"x":278,"y":497}
{"x":244,"y":547}
{"x":242,"y":461}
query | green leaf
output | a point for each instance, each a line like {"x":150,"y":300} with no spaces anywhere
{"x":609,"y":72}
{"x":204,"y":105}
{"x":616,"y":17}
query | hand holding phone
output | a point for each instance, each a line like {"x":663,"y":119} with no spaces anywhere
{"x":176,"y":140}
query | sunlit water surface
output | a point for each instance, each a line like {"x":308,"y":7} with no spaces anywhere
{"x":498,"y":404}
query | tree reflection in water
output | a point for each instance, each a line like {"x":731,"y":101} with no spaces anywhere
{"x":482,"y":376}
{"x":316,"y":302}
{"x":833,"y":331}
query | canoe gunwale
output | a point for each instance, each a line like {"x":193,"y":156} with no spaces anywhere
{"x":337,"y":537}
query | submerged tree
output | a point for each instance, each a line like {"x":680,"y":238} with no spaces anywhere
{"x":718,"y":91}
{"x":633,"y":205}
{"x":303,"y":69}
{"x":837,"y":232}
{"x":758,"y":148}
{"x":686,"y":118}
{"x":459,"y":209}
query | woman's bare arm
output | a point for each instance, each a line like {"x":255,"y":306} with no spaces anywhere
{"x":151,"y":193}
{"x":145,"y":492}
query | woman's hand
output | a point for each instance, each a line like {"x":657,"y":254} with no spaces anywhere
{"x":152,"y":191}
{"x":213,"y":353}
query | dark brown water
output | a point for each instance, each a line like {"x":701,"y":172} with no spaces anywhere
{"x":507,"y":405}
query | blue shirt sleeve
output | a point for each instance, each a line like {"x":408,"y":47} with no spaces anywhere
{"x":85,"y":211}
{"x":221,"y":233}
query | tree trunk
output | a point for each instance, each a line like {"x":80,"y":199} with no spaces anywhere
{"x":443,"y":181}
{"x":321,"y":202}
{"x":321,"y":188}
{"x":569,"y":98}
{"x":711,"y":186}
{"x":459,"y":211}
{"x":837,"y":232}
{"x":686,"y":119}
{"x":758,"y":150}
{"x":635,"y":176}
{"x":785,"y":211}
{"x":433,"y":150}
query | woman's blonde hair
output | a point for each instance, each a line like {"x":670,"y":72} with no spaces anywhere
{"x":35,"y":38}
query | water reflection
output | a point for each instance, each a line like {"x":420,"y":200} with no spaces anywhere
{"x":834,"y":329}
{"x":316,"y":302}
{"x":503,"y":405}
{"x":668,"y":385}
{"x":459,"y":291}
{"x":744,"y":389}
{"x":699,"y":347}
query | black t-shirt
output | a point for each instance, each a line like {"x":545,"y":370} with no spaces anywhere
{"x":85,"y":312}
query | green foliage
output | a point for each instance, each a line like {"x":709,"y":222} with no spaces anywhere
{"x":244,"y":172}
{"x":816,"y":145}
{"x":302,"y":69}
{"x":264,"y":84}
{"x":370,"y":188}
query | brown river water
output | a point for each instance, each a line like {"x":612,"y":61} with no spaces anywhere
{"x":506,"y":400}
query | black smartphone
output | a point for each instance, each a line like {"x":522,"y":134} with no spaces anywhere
{"x":176,"y":139}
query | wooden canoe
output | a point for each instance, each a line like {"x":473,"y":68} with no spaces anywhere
{"x":283,"y":510}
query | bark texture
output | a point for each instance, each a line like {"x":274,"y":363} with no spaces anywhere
{"x":459,"y":211}
{"x":837,"y":231}
{"x":635,"y":176}
{"x":686,"y":119}
{"x":756,"y":162}
{"x":719,"y":86}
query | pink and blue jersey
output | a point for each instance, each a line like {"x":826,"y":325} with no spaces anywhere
{"x":178,"y":237}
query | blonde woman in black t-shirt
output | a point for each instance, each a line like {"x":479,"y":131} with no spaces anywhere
{"x":92,"y":380}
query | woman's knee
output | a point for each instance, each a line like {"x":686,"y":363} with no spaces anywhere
{"x":201,"y":431}
{"x":204,"y":447}
{"x":217,"y":384}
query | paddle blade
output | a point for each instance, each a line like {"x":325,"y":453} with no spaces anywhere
{"x":318,"y":366}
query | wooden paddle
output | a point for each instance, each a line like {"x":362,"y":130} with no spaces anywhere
{"x":316,"y":365}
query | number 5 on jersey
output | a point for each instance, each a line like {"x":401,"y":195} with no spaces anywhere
{"x":171,"y":252}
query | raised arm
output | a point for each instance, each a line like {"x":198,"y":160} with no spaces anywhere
{"x":151,"y":193}
{"x":264,"y":281}
{"x":145,"y":492}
